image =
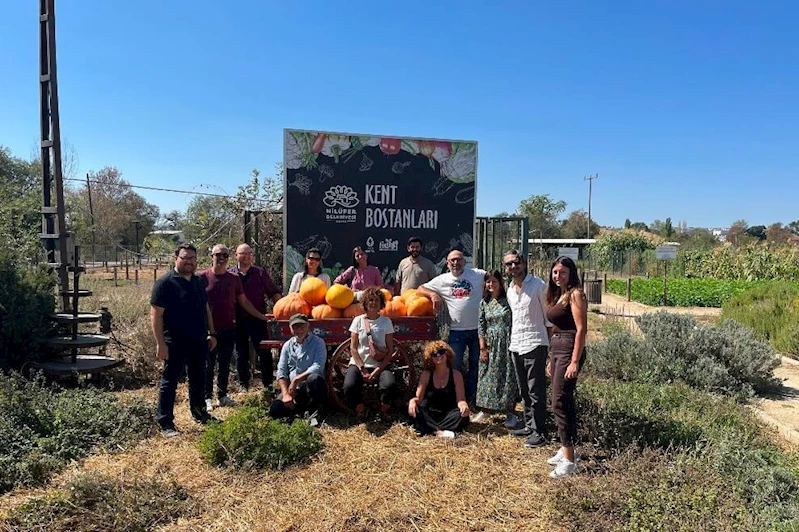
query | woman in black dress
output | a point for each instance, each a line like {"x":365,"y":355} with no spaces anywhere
{"x":439,"y":406}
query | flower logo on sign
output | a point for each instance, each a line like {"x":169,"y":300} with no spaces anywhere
{"x":341,"y":195}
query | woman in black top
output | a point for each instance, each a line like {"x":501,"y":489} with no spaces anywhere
{"x":568,"y":312}
{"x":439,"y":406}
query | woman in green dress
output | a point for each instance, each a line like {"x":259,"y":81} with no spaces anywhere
{"x":496,"y":385}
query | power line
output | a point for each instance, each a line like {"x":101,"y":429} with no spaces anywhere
{"x":160,"y":189}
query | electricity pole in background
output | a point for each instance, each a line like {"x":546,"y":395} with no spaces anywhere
{"x":590,"y":180}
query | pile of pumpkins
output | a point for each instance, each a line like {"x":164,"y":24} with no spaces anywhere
{"x":320,"y":302}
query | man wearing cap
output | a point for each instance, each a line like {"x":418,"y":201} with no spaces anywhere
{"x":258,"y":287}
{"x":224,"y":292}
{"x":300,"y":374}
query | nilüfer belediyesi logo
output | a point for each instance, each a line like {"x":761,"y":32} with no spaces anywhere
{"x":461,"y":289}
{"x":341,"y":195}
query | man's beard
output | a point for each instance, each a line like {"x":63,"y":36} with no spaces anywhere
{"x":415,"y":253}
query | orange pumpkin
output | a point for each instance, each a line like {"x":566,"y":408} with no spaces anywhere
{"x":408,"y":292}
{"x":356,"y":309}
{"x":386,"y":295}
{"x":323,"y":312}
{"x":394,"y":308}
{"x":313,"y":290}
{"x":339,"y":296}
{"x":421,"y":306}
{"x":399,"y":298}
{"x":291,"y":304}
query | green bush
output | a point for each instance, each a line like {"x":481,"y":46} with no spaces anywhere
{"x":772,"y":310}
{"x":681,"y":292}
{"x":679,"y":459}
{"x":42,"y":429}
{"x":249,"y":439}
{"x":727,"y":358}
{"x":94,"y":501}
{"x":26,"y":301}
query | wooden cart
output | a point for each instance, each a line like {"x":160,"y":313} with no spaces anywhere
{"x":335,"y":332}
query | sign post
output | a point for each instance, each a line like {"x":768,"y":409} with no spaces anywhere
{"x":665,"y":253}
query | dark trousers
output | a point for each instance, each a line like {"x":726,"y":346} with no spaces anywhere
{"x":225,"y":342}
{"x":311,"y":396}
{"x":251,"y":330}
{"x":191,"y":356}
{"x":353,"y":386}
{"x":531,"y":376}
{"x":460,"y":341}
{"x":427,"y":422}
{"x":563,"y":389}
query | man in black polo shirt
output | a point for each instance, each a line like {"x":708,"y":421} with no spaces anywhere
{"x":184,"y":332}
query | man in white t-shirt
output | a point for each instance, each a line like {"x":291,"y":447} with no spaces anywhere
{"x":529,"y":345}
{"x":461,"y":289}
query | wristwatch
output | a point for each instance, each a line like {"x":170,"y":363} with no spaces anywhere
{"x":212,"y":335}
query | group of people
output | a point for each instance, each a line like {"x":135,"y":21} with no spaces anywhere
{"x":515,"y":338}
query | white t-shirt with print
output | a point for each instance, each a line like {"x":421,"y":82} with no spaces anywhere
{"x":462,"y":296}
{"x":379,"y":328}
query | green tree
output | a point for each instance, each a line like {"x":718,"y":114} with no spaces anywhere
{"x":757,"y":231}
{"x":627,"y":223}
{"x":576,"y":225}
{"x":697,"y":239}
{"x":20,"y":206}
{"x":668,"y":229}
{"x":543,"y":213}
{"x":794,"y":227}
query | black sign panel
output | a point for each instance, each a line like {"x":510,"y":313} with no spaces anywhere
{"x":343,"y":191}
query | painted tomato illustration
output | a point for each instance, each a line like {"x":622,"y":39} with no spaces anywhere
{"x":390,"y":146}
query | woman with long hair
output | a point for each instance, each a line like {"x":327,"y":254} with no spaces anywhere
{"x":371,"y":347}
{"x":439,"y":406}
{"x":496,"y":382}
{"x":311,"y":268}
{"x":568,"y":312}
{"x":360,"y":275}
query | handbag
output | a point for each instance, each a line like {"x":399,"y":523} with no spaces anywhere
{"x":375,"y":352}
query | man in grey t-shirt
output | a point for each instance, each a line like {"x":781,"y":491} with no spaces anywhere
{"x":414,"y":270}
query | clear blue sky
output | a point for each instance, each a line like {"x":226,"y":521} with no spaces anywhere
{"x":685,"y":109}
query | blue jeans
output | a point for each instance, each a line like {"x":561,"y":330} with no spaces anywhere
{"x":459,"y":341}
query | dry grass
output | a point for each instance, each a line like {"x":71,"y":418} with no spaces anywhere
{"x":367,"y":478}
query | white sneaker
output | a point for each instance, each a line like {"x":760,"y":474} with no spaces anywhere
{"x":448,"y":434}
{"x":511,"y":421}
{"x":227,"y":401}
{"x":169,"y":433}
{"x":558,"y":457}
{"x":563,"y":469}
{"x":209,"y":405}
{"x":480,"y":416}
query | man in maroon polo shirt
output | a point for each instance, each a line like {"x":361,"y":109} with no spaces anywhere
{"x":224,"y":290}
{"x":258,"y":286}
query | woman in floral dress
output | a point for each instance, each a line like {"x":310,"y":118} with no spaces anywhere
{"x":496,"y":385}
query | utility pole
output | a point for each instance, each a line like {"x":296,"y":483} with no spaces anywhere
{"x":91,"y":211}
{"x":590,"y":179}
{"x":137,"y":225}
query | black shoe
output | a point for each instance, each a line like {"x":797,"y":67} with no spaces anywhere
{"x":524,"y":431}
{"x":205,"y":419}
{"x":535,"y":440}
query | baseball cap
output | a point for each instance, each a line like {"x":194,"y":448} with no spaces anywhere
{"x":298,"y":318}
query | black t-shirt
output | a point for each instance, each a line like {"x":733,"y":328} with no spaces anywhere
{"x":184,"y":304}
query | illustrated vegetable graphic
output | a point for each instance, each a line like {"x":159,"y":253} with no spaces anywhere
{"x":442,"y":151}
{"x":390,"y":146}
{"x":319,"y":143}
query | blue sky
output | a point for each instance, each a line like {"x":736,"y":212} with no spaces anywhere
{"x":685,"y":109}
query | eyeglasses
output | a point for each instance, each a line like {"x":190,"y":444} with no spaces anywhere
{"x":222,"y":255}
{"x":511,"y":263}
{"x":456,"y":259}
{"x":317,"y":259}
{"x":440,"y":352}
{"x":244,"y":253}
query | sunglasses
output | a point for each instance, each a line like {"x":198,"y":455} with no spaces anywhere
{"x":440,"y":353}
{"x":222,"y":255}
{"x":314,"y":258}
{"x":511,"y":263}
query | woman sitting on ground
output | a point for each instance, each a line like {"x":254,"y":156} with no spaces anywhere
{"x":439,"y":406}
{"x":371,"y":347}
{"x":360,"y":275}
{"x":311,"y":268}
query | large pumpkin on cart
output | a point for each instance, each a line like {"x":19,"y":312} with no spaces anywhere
{"x":291,"y":304}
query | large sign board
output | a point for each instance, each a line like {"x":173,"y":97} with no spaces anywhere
{"x":572,"y":253}
{"x":668,"y":252}
{"x":344,"y":190}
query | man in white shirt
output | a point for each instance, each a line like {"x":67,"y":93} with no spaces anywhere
{"x":461,"y":289}
{"x":529,"y":344}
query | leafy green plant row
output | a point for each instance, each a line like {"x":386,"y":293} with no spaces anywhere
{"x":772,"y":311}
{"x":681,"y":292}
{"x":42,"y":429}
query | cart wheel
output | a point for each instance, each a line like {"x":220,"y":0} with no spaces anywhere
{"x":401,"y":365}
